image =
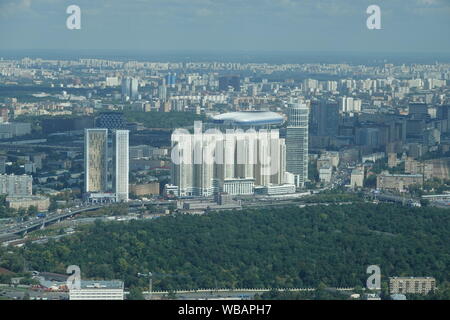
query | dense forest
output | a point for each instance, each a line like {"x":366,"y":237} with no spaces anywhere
{"x":285,"y":247}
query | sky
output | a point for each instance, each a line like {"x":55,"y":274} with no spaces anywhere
{"x":418,"y":26}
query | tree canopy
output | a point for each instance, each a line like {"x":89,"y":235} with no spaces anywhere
{"x":279,"y":248}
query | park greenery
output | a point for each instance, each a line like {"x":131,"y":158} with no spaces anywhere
{"x":280,"y":248}
{"x":163,"y":120}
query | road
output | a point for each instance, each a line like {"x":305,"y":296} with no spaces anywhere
{"x":11,"y":232}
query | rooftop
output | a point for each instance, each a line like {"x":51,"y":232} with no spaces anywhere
{"x":249,"y":118}
{"x":99,"y":284}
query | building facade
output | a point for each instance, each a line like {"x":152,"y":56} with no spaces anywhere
{"x":121,"y":164}
{"x":297,"y":142}
{"x":412,"y":285}
{"x":398,"y":182}
{"x":16,"y":185}
{"x":98,"y":290}
{"x":96,"y":160}
{"x":233,"y":161}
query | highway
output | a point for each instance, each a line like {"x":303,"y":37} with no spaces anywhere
{"x":34,"y":223}
{"x":11,"y":232}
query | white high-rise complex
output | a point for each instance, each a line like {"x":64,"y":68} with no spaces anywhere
{"x":233,"y":161}
{"x":349,"y":104}
{"x":297,"y":142}
{"x":121,"y":164}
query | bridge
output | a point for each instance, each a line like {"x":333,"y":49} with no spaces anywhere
{"x":11,"y":232}
{"x":394,"y":199}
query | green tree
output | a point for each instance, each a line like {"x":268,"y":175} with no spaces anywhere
{"x":135,"y":294}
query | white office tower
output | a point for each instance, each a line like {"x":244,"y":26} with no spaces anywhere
{"x":121,"y":165}
{"x":96,"y":160}
{"x":297,"y":142}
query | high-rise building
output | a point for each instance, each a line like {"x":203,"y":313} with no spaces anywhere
{"x":97,"y":168}
{"x":324,"y":118}
{"x":162,"y":92}
{"x":171,"y":79}
{"x":3,"y":164}
{"x":297,"y":141}
{"x":126,"y":85}
{"x":349,"y":104}
{"x":96,"y":160}
{"x":4,"y":115}
{"x":130,"y":88}
{"x":121,"y":165}
{"x":98,"y":290}
{"x":233,"y":161}
{"x":134,"y":90}
{"x":418,"y":111}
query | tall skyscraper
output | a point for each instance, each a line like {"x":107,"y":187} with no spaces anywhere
{"x":96,"y":160}
{"x":121,"y":165}
{"x":97,"y":169}
{"x":130,"y":88}
{"x":126,"y":85}
{"x":171,"y":79}
{"x":324,"y":119}
{"x":297,"y":142}
{"x":134,"y":89}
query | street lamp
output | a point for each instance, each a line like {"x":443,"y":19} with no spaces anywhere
{"x":150,"y":282}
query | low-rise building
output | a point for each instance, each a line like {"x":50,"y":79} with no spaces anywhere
{"x":16,"y":185}
{"x":40,"y":202}
{"x":373,"y":157}
{"x":98,"y":290}
{"x":325,"y":174}
{"x":144,"y":189}
{"x":398,"y":181}
{"x":276,"y":189}
{"x":357,"y":178}
{"x":413,"y":285}
{"x":236,"y":186}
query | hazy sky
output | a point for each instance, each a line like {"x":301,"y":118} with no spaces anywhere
{"x":232,"y":25}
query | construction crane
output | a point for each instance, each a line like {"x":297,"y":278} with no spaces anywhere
{"x":150,"y":276}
